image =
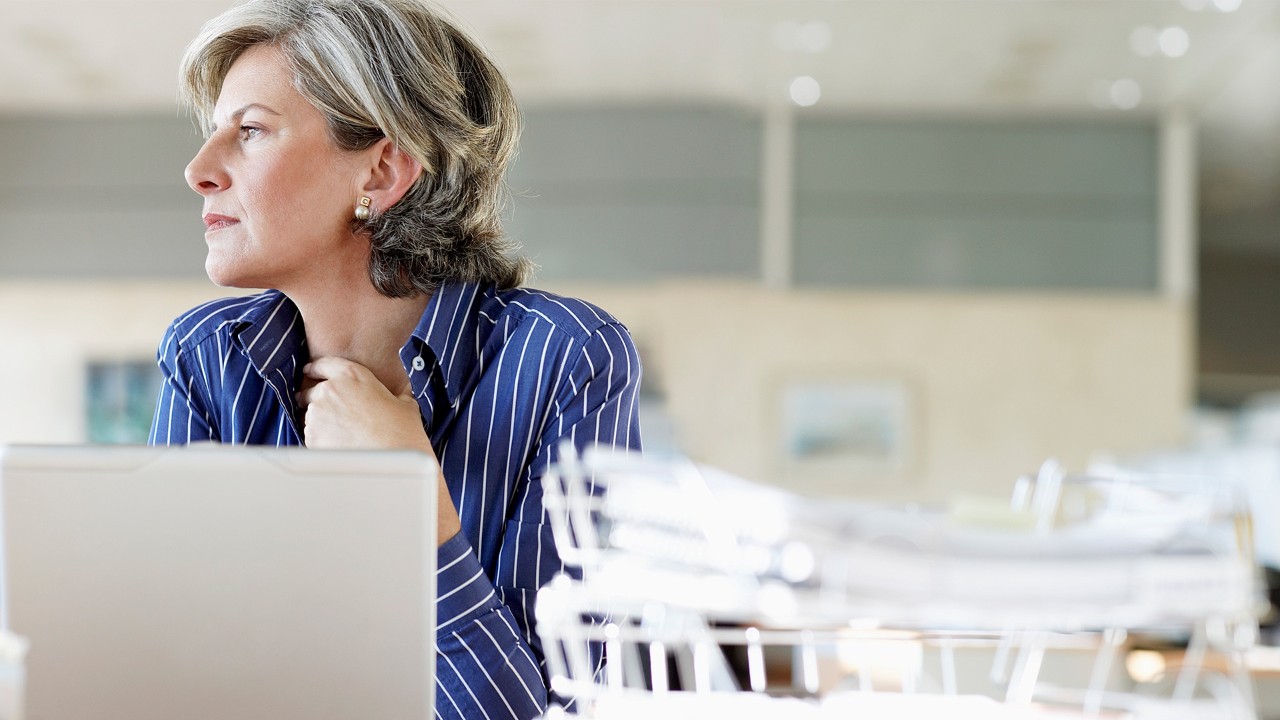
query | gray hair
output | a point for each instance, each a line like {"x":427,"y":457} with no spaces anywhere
{"x":396,"y":69}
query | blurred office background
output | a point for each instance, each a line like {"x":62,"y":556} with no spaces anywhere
{"x":877,"y":248}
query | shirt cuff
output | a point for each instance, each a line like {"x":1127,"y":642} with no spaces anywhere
{"x":463,"y":591}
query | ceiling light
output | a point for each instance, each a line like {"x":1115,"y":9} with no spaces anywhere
{"x":1125,"y":94}
{"x":1174,"y":41}
{"x":805,"y":91}
{"x":1227,"y":5}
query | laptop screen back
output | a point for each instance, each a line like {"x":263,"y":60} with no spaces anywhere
{"x":220,"y":582}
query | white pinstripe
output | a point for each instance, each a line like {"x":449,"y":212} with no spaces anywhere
{"x":450,"y":593}
{"x":485,"y":672}
{"x":499,"y":647}
{"x":467,"y":612}
{"x":465,"y":685}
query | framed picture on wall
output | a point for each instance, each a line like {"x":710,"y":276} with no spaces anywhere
{"x":120,"y":400}
{"x":835,"y":428}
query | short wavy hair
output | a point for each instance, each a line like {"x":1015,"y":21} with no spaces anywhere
{"x":398,"y":69}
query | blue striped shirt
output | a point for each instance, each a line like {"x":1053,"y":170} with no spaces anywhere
{"x":502,"y":379}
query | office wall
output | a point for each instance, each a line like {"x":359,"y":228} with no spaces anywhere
{"x":997,"y":383}
{"x":1022,"y":205}
{"x":655,"y":213}
{"x":614,"y":193}
{"x":50,"y":331}
{"x":636,"y":194}
{"x":98,"y":197}
{"x":646,"y":193}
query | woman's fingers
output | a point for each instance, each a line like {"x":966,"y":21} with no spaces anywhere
{"x":347,"y":406}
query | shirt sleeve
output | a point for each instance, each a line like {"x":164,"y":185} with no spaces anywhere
{"x":181,"y":415}
{"x":484,"y":669}
{"x":489,"y":657}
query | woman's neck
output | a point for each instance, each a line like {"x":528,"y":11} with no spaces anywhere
{"x":362,"y":325}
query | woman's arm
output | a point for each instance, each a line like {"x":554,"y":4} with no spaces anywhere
{"x":489,"y":659}
{"x":181,"y":415}
{"x":596,"y":404}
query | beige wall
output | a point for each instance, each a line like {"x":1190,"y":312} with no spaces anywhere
{"x":997,"y":383}
{"x":48,"y":331}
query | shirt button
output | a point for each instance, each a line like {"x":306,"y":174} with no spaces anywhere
{"x":419,"y":363}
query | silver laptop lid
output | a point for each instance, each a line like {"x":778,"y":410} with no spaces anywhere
{"x":220,"y":582}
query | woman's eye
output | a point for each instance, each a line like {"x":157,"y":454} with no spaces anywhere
{"x":248,"y":132}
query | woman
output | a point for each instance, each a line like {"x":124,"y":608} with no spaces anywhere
{"x":353,"y":164}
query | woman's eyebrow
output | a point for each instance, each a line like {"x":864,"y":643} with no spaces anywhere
{"x":235,"y":116}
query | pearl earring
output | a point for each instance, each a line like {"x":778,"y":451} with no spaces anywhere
{"x":362,"y":210}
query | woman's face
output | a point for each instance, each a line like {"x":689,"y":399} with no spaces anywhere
{"x":278,"y":193}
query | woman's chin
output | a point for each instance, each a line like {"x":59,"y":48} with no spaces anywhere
{"x":217,"y":274}
{"x":226,"y":275}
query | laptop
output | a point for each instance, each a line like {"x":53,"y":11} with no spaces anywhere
{"x":220,"y":581}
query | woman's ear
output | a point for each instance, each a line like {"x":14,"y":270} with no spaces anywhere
{"x":391,"y":174}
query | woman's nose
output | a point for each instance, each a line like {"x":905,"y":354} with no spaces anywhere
{"x":204,"y":174}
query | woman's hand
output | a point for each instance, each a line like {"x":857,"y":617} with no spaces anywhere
{"x":348,"y":407}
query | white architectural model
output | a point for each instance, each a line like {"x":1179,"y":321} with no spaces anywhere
{"x":714,"y":595}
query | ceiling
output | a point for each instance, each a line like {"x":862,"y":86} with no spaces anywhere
{"x":931,"y":57}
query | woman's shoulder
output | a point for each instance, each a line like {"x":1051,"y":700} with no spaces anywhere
{"x":574,"y":316}
{"x":220,"y":315}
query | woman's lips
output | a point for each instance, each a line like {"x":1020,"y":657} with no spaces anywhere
{"x":213,"y":221}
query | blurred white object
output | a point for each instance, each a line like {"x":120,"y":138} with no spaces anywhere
{"x":1260,"y":420}
{"x":1251,"y":471}
{"x":13,"y":675}
{"x":691,"y":579}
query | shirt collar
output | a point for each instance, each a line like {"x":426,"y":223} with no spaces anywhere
{"x":270,"y":332}
{"x":449,"y":329}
